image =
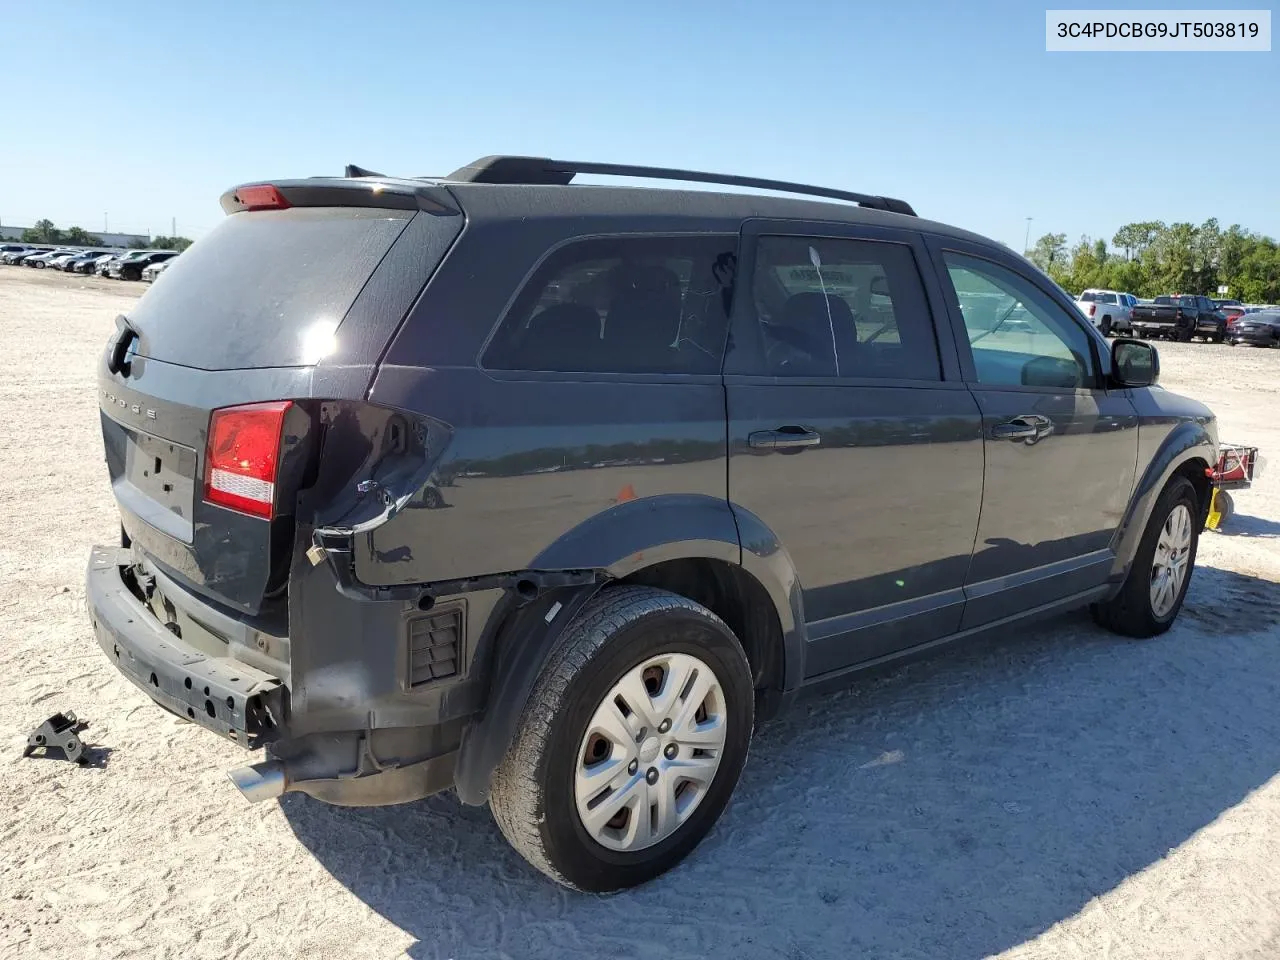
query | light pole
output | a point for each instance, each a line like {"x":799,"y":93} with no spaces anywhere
{"x":1026,"y":239}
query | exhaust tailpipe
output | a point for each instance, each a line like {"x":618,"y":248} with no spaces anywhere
{"x":260,"y":781}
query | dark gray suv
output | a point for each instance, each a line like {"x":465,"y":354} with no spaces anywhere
{"x":548,"y":492}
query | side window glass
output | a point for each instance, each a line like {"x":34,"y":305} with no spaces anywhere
{"x":1019,"y":337}
{"x":622,"y":305}
{"x":842,"y":308}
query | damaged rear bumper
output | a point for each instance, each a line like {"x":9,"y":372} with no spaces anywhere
{"x":222,"y":694}
{"x":239,"y":701}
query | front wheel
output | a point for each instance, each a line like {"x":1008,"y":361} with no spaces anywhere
{"x":631,"y":743}
{"x":1157,"y":581}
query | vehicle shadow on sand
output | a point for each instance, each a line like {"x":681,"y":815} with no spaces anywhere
{"x":1243,"y":525}
{"x":952,"y":807}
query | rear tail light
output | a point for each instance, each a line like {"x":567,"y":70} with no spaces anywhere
{"x":261,"y":197}
{"x":1092,"y":308}
{"x":244,"y":456}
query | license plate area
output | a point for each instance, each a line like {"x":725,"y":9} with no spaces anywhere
{"x":158,"y":482}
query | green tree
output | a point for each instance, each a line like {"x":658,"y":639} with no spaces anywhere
{"x":78,"y":235}
{"x":1233,"y":246}
{"x":1049,"y":252}
{"x":43,"y":232}
{"x":1135,"y":238}
{"x":171,"y":243}
{"x":1085,"y":269}
{"x":1173,"y":259}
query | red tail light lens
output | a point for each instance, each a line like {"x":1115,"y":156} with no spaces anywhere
{"x":243,"y":457}
{"x":261,"y":197}
{"x":1092,"y":308}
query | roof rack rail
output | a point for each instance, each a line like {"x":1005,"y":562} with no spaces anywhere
{"x":542,"y":171}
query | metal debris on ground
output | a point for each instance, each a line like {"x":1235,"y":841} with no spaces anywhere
{"x":58,"y":733}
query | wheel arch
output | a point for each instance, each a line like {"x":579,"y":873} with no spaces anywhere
{"x":699,"y":547}
{"x":1188,"y":451}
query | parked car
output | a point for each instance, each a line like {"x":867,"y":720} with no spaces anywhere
{"x":18,"y":256}
{"x":153,"y":270}
{"x":100,"y":261}
{"x":131,"y":265}
{"x":103,"y":264}
{"x":1261,"y":329}
{"x":1227,"y":303}
{"x":1108,"y":310}
{"x":61,"y":260}
{"x":1232,"y":313}
{"x":590,"y":655}
{"x":1179,"y":317}
{"x":73,"y":264}
{"x":8,"y":248}
{"x":41,"y":260}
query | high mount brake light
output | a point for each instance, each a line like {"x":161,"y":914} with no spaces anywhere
{"x":261,"y":197}
{"x":243,"y":457}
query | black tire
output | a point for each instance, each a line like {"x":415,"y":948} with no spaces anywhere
{"x":532,"y":795}
{"x":1226,"y":507}
{"x":1129,"y":612}
{"x":1105,"y":326}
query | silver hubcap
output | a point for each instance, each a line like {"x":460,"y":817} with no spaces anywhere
{"x":1173,"y":553}
{"x":650,"y":752}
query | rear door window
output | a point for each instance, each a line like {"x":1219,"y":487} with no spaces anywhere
{"x":830,"y":307}
{"x":262,"y":288}
{"x":622,"y":305}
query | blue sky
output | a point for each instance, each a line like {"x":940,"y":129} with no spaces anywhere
{"x":157,"y":108}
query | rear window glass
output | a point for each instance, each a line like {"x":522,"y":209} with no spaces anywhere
{"x":842,"y":308}
{"x":262,"y":289}
{"x":1089,"y":296}
{"x":622,"y":305}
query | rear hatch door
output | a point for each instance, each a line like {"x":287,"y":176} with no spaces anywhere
{"x":293,"y":304}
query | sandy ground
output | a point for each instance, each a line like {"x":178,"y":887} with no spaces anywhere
{"x":1059,"y":793}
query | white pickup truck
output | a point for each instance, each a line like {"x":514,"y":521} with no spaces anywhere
{"x":1108,"y":310}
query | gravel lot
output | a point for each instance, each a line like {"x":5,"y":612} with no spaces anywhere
{"x":1059,"y":793}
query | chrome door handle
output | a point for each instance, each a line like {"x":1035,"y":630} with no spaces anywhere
{"x":1025,"y":427}
{"x":784,"y":438}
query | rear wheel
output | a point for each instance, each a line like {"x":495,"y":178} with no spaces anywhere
{"x":631,"y":743}
{"x":1105,"y":326}
{"x":1156,"y":585}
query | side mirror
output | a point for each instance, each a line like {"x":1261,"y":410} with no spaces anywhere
{"x":1134,"y":363}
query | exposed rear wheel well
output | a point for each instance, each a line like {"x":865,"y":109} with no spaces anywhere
{"x":735,"y":597}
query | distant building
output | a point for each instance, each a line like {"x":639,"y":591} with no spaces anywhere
{"x":108,"y":239}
